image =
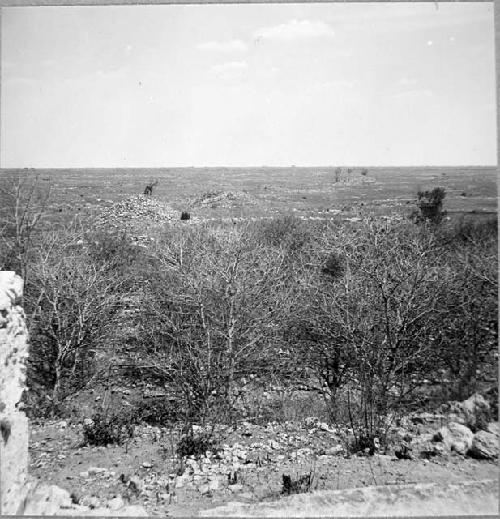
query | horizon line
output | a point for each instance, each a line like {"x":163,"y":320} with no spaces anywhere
{"x":59,"y":168}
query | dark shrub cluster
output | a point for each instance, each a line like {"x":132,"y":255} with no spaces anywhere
{"x":430,"y":203}
{"x":196,"y":444}
{"x":158,"y":411}
{"x":108,"y":429}
{"x":301,"y":485}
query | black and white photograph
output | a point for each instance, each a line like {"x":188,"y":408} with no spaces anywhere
{"x":249,"y":259}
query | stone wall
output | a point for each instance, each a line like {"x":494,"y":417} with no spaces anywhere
{"x":13,"y":422}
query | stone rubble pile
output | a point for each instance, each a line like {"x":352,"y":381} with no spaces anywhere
{"x":138,"y":209}
{"x":227,"y":468}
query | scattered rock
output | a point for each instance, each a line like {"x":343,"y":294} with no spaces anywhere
{"x":335,"y":450}
{"x":430,"y":450}
{"x":91,"y":502}
{"x":96,"y":470}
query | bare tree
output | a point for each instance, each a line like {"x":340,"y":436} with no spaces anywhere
{"x":72,"y":302}
{"x":23,"y":203}
{"x":148,"y":190}
{"x":213,"y":318}
{"x":372,"y":328}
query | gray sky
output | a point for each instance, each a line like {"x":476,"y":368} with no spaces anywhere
{"x":208,"y":85}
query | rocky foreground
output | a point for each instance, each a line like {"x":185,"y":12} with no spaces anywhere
{"x":432,"y":448}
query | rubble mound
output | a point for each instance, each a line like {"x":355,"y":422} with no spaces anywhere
{"x":223,"y":199}
{"x":135,"y":211}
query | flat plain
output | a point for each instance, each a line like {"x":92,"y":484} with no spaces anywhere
{"x":268,"y":191}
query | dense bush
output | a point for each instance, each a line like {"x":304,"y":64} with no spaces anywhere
{"x":362,"y":311}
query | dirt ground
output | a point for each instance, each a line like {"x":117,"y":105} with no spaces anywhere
{"x":95,"y":475}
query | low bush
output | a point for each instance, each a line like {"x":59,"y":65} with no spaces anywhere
{"x":158,"y":411}
{"x":105,"y":429}
{"x":196,"y":444}
{"x":286,"y":231}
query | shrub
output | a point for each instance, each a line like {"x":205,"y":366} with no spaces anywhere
{"x":196,"y":444}
{"x":334,"y":266}
{"x":301,"y":485}
{"x":107,"y":429}
{"x":430,"y":204}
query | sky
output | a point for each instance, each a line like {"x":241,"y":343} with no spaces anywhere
{"x":369,"y":84}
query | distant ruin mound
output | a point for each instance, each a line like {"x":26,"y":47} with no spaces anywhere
{"x":223,"y":199}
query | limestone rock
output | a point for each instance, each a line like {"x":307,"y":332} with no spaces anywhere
{"x":116,"y":503}
{"x":47,"y":500}
{"x":471,"y":412}
{"x":493,"y":428}
{"x":456,"y":437}
{"x":484,"y":446}
{"x":13,"y":423}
